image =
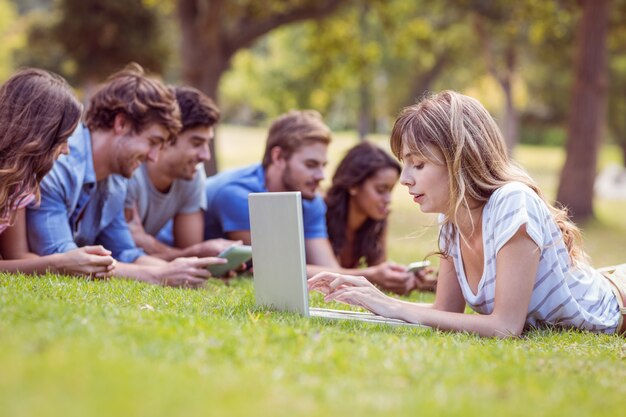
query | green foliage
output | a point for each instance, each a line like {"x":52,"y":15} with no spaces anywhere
{"x":389,"y":53}
{"x":10,"y":38}
{"x":617,"y":75}
{"x":101,"y":36}
{"x":44,"y":51}
{"x":542,"y":135}
{"x":386,"y":47}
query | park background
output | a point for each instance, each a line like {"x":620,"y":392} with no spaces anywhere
{"x":553,"y":73}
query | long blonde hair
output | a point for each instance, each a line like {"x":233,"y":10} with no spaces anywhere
{"x":475,"y":156}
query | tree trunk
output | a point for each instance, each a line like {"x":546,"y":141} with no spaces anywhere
{"x":204,"y":59}
{"x":210,"y":38}
{"x":365,"y":110}
{"x":208,"y":81}
{"x":504,"y":77}
{"x":511,"y":117}
{"x":587,"y":112}
{"x":422,"y":82}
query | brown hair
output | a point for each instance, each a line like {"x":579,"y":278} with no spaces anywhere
{"x":475,"y":155}
{"x":196,"y":108}
{"x":293,"y":130}
{"x":140,"y":99}
{"x":38,"y":113}
{"x":361,"y":162}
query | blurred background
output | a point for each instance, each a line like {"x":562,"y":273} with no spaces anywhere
{"x":553,"y":73}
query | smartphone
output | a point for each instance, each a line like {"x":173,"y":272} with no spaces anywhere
{"x":416,"y":266}
{"x":236,"y":255}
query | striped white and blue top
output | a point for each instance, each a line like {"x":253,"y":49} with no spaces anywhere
{"x":563,"y":295}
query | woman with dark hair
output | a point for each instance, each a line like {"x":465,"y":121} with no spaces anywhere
{"x":38,"y":112}
{"x":358,"y":206}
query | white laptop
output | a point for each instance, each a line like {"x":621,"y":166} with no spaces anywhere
{"x":279,"y":260}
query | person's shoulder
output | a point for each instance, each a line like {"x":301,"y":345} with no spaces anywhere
{"x":315,"y":207}
{"x":513,"y":191}
{"x":516,"y":202}
{"x":236,"y":181}
{"x":316,"y":202}
{"x":117,"y":184}
{"x":70,"y":171}
{"x":79,"y":143}
{"x":139,"y":177}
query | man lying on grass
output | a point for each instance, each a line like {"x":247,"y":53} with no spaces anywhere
{"x":82,"y":199}
{"x":170,"y":190}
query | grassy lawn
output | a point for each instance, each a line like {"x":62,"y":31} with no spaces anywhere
{"x":70,"y":347}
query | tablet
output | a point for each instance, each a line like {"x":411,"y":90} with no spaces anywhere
{"x":236,"y":255}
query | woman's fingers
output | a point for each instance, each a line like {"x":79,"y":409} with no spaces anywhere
{"x":349,"y":295}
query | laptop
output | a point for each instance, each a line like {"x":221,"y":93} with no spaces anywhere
{"x":278,"y":256}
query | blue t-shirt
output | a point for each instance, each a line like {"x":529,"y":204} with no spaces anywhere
{"x":227,"y":204}
{"x":76,"y":210}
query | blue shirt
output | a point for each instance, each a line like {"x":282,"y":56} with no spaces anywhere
{"x":227,"y":204}
{"x":76,"y":210}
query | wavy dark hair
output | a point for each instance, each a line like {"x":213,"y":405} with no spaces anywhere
{"x":142,"y":100}
{"x":196,"y":108}
{"x":38,"y":113}
{"x":361,"y":162}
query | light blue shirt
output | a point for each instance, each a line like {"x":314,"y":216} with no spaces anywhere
{"x":227,"y":204}
{"x":76,"y":210}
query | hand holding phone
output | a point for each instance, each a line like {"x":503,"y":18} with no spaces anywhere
{"x":235,"y":255}
{"x":416,"y":266}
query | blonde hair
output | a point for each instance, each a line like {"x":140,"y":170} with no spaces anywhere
{"x":293,"y":130}
{"x":475,"y":155}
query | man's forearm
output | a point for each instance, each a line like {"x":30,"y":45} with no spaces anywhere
{"x":139,"y":272}
{"x":152,"y":246}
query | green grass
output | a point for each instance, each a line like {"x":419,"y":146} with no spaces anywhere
{"x":73,"y":348}
{"x":70,"y":347}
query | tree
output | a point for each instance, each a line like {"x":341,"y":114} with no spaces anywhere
{"x":359,"y":67}
{"x":587,"y":111}
{"x":214,"y":30}
{"x":617,"y":74}
{"x":10,"y":39}
{"x":101,"y":36}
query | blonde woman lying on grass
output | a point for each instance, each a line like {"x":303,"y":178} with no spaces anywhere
{"x":505,"y":251}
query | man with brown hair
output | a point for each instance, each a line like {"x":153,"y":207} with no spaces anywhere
{"x":171,"y":189}
{"x":294,"y":160}
{"x":82,"y":199}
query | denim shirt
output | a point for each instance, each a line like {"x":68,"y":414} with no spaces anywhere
{"x":76,"y":210}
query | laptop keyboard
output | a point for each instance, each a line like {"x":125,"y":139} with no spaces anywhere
{"x":358,"y":316}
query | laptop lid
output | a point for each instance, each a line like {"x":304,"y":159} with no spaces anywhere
{"x":278,"y":256}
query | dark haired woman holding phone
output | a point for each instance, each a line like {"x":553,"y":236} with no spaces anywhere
{"x":358,"y":206}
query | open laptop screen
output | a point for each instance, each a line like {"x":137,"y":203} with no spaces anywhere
{"x":278,"y":254}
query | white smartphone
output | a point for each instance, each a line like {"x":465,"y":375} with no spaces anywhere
{"x":416,"y":266}
{"x":236,"y":255}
